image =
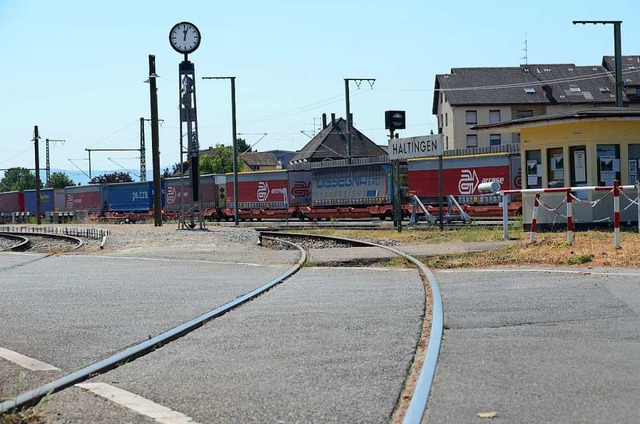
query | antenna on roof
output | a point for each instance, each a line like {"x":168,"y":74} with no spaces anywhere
{"x":525,"y":50}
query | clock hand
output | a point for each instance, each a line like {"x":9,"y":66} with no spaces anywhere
{"x":184,"y":32}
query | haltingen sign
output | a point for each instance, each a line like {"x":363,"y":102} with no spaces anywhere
{"x":416,"y":147}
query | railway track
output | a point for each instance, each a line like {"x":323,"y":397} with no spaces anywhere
{"x":423,"y":368}
{"x":42,"y":243}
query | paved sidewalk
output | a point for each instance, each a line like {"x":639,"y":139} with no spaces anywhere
{"x":538,"y":346}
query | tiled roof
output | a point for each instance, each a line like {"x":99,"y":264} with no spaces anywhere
{"x":331,"y":143}
{"x":526,"y":84}
{"x":258,"y":159}
{"x":630,"y":68}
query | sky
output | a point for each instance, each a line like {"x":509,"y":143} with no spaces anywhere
{"x":76,"y":69}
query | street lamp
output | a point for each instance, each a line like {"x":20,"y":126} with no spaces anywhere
{"x":235,"y":148}
{"x":617,"y":57}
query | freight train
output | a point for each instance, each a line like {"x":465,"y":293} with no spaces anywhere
{"x":327,"y":190}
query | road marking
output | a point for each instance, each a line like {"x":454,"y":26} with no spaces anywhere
{"x":137,"y":403}
{"x":25,"y":361}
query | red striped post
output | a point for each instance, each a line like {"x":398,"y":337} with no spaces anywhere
{"x":569,"y":218}
{"x":534,"y":218}
{"x":616,"y":213}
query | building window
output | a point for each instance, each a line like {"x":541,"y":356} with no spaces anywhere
{"x":472,"y":140}
{"x":446,"y":119}
{"x":524,"y":114}
{"x":472,"y":117}
{"x":494,"y":116}
{"x":495,"y":140}
{"x":447,"y":143}
{"x":529,"y":90}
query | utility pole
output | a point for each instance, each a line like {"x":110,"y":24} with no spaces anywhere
{"x":234,"y":136}
{"x":36,"y":140}
{"x":617,"y":41}
{"x":48,"y":165}
{"x":358,"y":81}
{"x":155,"y":143}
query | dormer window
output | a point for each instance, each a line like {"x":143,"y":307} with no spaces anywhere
{"x":529,"y":90}
{"x":604,"y":89}
{"x":574,"y":89}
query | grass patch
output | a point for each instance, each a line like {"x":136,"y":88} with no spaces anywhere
{"x":590,"y":248}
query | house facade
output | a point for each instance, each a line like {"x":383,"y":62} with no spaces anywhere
{"x":477,"y":96}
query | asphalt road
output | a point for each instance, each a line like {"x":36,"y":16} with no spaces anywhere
{"x":539,"y":346}
{"x":328,"y":345}
{"x":71,"y":311}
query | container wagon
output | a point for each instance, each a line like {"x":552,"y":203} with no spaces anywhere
{"x":351,"y":191}
{"x":461,"y":177}
{"x":51,"y":200}
{"x":261,"y":195}
{"x":10,"y":201}
{"x":87,"y":198}
{"x":212,"y":194}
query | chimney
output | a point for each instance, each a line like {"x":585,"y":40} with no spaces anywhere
{"x":333,"y":119}
{"x":324,"y":120}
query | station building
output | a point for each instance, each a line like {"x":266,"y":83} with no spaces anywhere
{"x":583,"y":148}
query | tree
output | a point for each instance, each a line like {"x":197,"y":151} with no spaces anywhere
{"x":18,"y":179}
{"x":242,"y":146}
{"x":60,"y":180}
{"x":220,"y":161}
{"x":114,"y":177}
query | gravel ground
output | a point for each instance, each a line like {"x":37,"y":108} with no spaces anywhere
{"x":6,"y":243}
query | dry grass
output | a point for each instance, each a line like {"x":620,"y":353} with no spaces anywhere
{"x":590,"y":248}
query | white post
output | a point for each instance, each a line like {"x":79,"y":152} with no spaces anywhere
{"x":534,"y":218}
{"x":569,"y":219}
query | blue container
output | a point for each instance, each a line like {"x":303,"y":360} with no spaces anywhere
{"x":129,"y":197}
{"x":50,"y":200}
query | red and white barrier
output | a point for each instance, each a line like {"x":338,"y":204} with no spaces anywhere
{"x":616,"y":189}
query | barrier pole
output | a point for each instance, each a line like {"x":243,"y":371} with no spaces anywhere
{"x":534,"y":218}
{"x":638,"y":202}
{"x":505,"y":215}
{"x":569,"y":218}
{"x":616,"y":213}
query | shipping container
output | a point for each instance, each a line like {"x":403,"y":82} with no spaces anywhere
{"x":461,"y":176}
{"x":212,"y":191}
{"x":129,"y":197}
{"x":259,"y":190}
{"x":51,"y":199}
{"x":11,"y":201}
{"x":87,"y":198}
{"x":352,"y":185}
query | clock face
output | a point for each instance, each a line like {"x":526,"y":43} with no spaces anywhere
{"x":184,"y":37}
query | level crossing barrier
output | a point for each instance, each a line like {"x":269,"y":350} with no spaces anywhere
{"x":616,"y":191}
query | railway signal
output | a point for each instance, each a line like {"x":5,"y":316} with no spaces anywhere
{"x":395,"y":120}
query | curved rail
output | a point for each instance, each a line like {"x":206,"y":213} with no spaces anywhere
{"x":32,"y":397}
{"x":24,"y":246}
{"x":419,"y":399}
{"x":23,"y":242}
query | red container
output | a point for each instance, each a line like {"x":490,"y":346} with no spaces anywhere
{"x":259,"y":190}
{"x":87,"y":198}
{"x":11,"y":201}
{"x":461,"y":176}
{"x":210,"y":194}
